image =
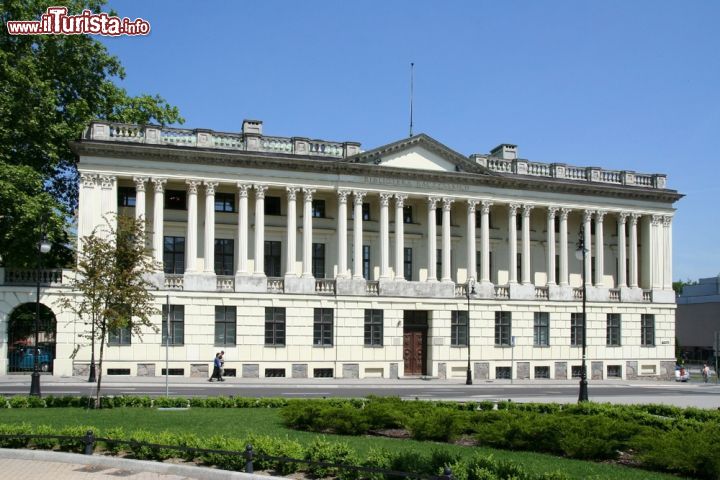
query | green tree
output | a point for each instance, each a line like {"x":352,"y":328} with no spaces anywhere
{"x":51,"y":87}
{"x":110,"y":290}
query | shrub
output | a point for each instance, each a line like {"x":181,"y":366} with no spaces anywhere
{"x":321,"y":450}
{"x":440,"y":425}
{"x":379,"y":458}
{"x":276,"y":447}
{"x":17,"y":429}
{"x":114,"y":434}
{"x":171,"y":402}
{"x":75,"y":445}
{"x":44,"y":443}
{"x":22,"y":401}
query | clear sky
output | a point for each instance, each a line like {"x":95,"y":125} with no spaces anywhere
{"x":615,"y":84}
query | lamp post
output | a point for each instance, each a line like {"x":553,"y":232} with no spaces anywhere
{"x":43,"y":246}
{"x":581,"y":254}
{"x":470,"y":290}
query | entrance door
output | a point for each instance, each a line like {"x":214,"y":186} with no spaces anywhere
{"x":415,"y":327}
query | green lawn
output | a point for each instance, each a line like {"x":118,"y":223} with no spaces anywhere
{"x":239,"y":422}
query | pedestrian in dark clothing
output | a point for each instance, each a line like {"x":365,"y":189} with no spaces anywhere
{"x":221,"y":370}
{"x":217,"y":364}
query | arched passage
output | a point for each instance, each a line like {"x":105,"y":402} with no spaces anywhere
{"x":21,"y":339}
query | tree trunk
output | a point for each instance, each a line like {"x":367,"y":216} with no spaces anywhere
{"x":100,"y":362}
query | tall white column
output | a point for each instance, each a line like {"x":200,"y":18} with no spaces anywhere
{"x":210,"y":226}
{"x":526,"y":244}
{"x":599,"y":249}
{"x":158,"y":220}
{"x":307,"y":232}
{"x":86,"y":203}
{"x":342,"y":233}
{"x":399,"y":237}
{"x":432,"y":240}
{"x":550,"y":263}
{"x":108,"y":197}
{"x":291,"y":243}
{"x":140,"y":203}
{"x":357,"y":234}
{"x":633,"y":250}
{"x":191,"y":233}
{"x":667,"y":253}
{"x":587,"y":241}
{"x":471,"y":248}
{"x":260,"y":229}
{"x":512,"y":243}
{"x":243,"y":226}
{"x":563,"y":280}
{"x":485,"y":241}
{"x":384,"y":236}
{"x":622,"y":250}
{"x":447,"y":205}
{"x":656,"y":254}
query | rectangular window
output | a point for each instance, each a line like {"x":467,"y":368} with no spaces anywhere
{"x":175,"y":200}
{"x":407,"y":214}
{"x":576,"y":329}
{"x":224,"y":256}
{"x":120,"y":336}
{"x":613,"y":329}
{"x":366,"y":262}
{"x":647,"y":326}
{"x":490,"y":261}
{"x":614,"y":371}
{"x":407,"y":263}
{"x":503,"y":373}
{"x":176,"y":318}
{"x":593,"y":278}
{"x":323,"y":327}
{"x":576,"y":371}
{"x":275,"y":326}
{"x":541,"y":329}
{"x":438,"y":262}
{"x":373,"y":328}
{"x":126,"y":197}
{"x":459,"y":328}
{"x":518,"y":222}
{"x":557,"y":268}
{"x":503,"y":329}
{"x":366,"y":211}
{"x":318,"y":260}
{"x":174,"y":255}
{"x":438,"y":216}
{"x":225,"y":326}
{"x":478,"y":264}
{"x":318,"y":208}
{"x":518,"y":266}
{"x":272,"y":258}
{"x":557,"y":224}
{"x":224,"y":202}
{"x":272,"y":206}
{"x":542,"y":372}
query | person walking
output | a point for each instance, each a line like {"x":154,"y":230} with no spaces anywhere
{"x":221,"y":369}
{"x":217,"y":364}
{"x":706,"y":373}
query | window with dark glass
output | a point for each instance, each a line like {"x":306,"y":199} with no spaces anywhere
{"x":518,"y":222}
{"x":613,"y":329}
{"x":120,"y":336}
{"x":438,"y":262}
{"x":541,"y":329}
{"x":175,"y":200}
{"x":438,"y":216}
{"x":407,"y":263}
{"x":323,"y":327}
{"x":318,"y":260}
{"x":592,"y":278}
{"x":224,"y":256}
{"x":272,"y":206}
{"x":175,"y":317}
{"x":373,"y":328}
{"x":478,"y":264}
{"x":318,"y":208}
{"x":174,"y":255}
{"x":576,"y":329}
{"x":366,"y":211}
{"x":407,"y":214}
{"x":274,"y":326}
{"x":366,"y":262}
{"x":225,"y":325}
{"x":126,"y":196}
{"x":518,"y":266}
{"x":459,"y":328}
{"x":272,"y":258}
{"x":647,"y":325}
{"x":556,"y":221}
{"x":224,"y":202}
{"x":557,"y":268}
{"x":490,"y":267}
{"x":503,"y":329}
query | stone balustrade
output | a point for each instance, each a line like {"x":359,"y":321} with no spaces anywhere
{"x":225,"y":283}
{"x":325,"y":286}
{"x":275,"y":285}
{"x":174,"y":282}
{"x":29,"y":276}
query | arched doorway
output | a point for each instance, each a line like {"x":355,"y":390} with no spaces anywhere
{"x":21,"y":339}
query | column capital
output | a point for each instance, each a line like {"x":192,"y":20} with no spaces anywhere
{"x":472,"y":204}
{"x":513,"y":208}
{"x":385,"y":198}
{"x":308,"y":193}
{"x":292,"y":192}
{"x":564,"y":212}
{"x":400,"y":200}
{"x":193,"y":185}
{"x":622,"y":217}
{"x":667,"y":220}
{"x":159,"y":184}
{"x":140,"y":183}
{"x":432,"y":202}
{"x":587,"y":215}
{"x":210,"y":187}
{"x":243,"y":189}
{"x":656,"y":219}
{"x":526,"y":210}
{"x":107,"y":182}
{"x":552,"y":211}
{"x":260,"y":191}
{"x":485,"y":206}
{"x":447,"y":203}
{"x":89,"y":180}
{"x":342,"y":196}
{"x":359,"y":195}
{"x":634,"y":218}
{"x":599,"y":215}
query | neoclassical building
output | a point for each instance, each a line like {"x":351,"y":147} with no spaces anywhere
{"x":309,"y":258}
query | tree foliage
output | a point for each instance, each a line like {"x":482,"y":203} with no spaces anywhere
{"x":110,"y":290}
{"x":51,"y":87}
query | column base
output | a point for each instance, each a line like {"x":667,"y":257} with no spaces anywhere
{"x":251,"y":284}
{"x":200,"y":282}
{"x":305,"y":285}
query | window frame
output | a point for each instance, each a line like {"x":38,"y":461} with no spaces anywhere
{"x":177,"y":260}
{"x":323,"y":327}
{"x":120,"y":337}
{"x":227,"y":317}
{"x":318,"y":208}
{"x":125,"y":195}
{"x":407,"y":214}
{"x":541,"y":329}
{"x":366,"y":256}
{"x":275,"y":327}
{"x":173,"y":321}
{"x":318,"y":260}
{"x":646,"y":329}
{"x":576,"y":329}
{"x":224,"y":259}
{"x":225,"y":200}
{"x":459,"y":328}
{"x":503,"y":328}
{"x":373,"y":328}
{"x":407,"y":263}
{"x":272,"y":206}
{"x":272,"y":259}
{"x":613,"y":333}
{"x":366,"y":212}
{"x":175,"y":200}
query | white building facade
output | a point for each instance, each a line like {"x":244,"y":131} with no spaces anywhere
{"x":307,"y":258}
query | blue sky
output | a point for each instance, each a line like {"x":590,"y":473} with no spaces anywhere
{"x":615,"y":84}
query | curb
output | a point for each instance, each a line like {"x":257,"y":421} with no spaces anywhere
{"x":199,"y":473}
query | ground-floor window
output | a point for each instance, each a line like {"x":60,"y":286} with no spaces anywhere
{"x":173,"y":324}
{"x":459,"y":328}
{"x":120,"y":336}
{"x":274,"y":326}
{"x":373,"y":328}
{"x":576,"y":329}
{"x":503,"y":328}
{"x":323,"y":327}
{"x":225,"y":325}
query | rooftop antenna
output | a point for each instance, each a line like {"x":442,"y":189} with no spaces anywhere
{"x":412,"y":71}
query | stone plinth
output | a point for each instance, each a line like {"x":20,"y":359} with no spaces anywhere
{"x":303,"y":285}
{"x":81,"y":369}
{"x":561,"y":371}
{"x":351,"y":370}
{"x":520,"y":291}
{"x":250,"y":284}
{"x":200,"y":282}
{"x":632,"y":295}
{"x":350,"y":286}
{"x":199,"y":370}
{"x":299,"y":370}
{"x":598,"y":294}
{"x":403,"y":288}
{"x":442,"y":370}
{"x":596,"y":369}
{"x":482,"y":370}
{"x":631,"y":370}
{"x":522,"y":371}
{"x":145,"y":369}
{"x":251,"y":370}
{"x":561,"y":294}
{"x":394,"y":371}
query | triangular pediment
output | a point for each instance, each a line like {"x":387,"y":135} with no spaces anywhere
{"x":419,"y":152}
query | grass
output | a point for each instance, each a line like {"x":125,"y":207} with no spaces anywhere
{"x":235,"y":422}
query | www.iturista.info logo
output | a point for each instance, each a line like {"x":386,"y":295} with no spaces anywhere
{"x":56,"y":21}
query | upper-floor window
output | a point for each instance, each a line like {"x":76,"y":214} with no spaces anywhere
{"x":407,"y":263}
{"x":272,"y":258}
{"x":518,"y":222}
{"x":323,"y":327}
{"x":318,"y":260}
{"x":366,"y":261}
{"x":175,"y":200}
{"x":174,"y":255}
{"x":120,"y":336}
{"x":318,"y":208}
{"x":126,"y":197}
{"x":272,"y":205}
{"x":407,"y":214}
{"x":224,"y":202}
{"x":366,"y":211}
{"x":224,"y":256}
{"x":438,"y":216}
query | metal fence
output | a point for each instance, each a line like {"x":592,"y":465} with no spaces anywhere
{"x":87,"y":444}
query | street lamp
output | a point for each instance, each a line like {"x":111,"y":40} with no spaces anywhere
{"x":470,"y":290}
{"x":581,"y":254}
{"x":43,"y":246}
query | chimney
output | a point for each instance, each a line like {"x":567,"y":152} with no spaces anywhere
{"x":252,"y":127}
{"x":505,"y":151}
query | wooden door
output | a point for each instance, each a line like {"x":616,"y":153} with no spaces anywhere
{"x":414,"y":352}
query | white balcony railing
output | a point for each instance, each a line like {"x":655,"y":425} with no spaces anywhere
{"x":372,"y":288}
{"x":174,"y":281}
{"x":225,"y":283}
{"x":275,"y":285}
{"x":325,"y":286}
